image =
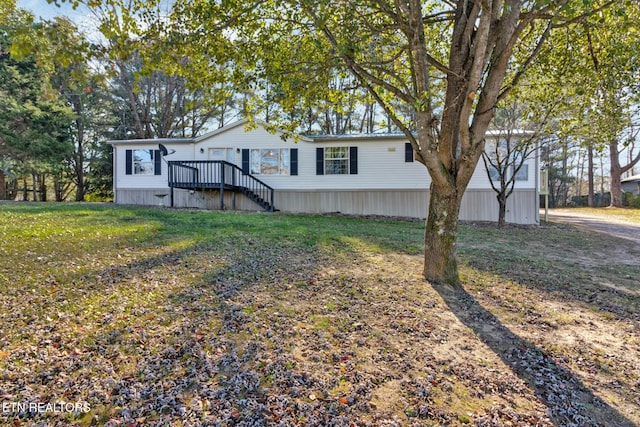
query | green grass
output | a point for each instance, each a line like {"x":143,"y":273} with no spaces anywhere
{"x":93,"y":295}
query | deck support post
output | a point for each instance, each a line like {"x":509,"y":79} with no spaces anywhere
{"x":222,"y":187}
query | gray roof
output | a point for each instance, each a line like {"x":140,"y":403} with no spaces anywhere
{"x":307,"y":137}
{"x":634,"y":178}
{"x":153,"y":141}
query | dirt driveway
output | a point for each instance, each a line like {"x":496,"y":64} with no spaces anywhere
{"x":612,"y":226}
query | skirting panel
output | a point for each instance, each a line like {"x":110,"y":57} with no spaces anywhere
{"x":477,"y":205}
{"x":184,"y":199}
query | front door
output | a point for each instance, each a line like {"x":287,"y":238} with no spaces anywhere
{"x":221,"y":154}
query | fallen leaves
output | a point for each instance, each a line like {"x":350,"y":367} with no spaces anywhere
{"x":282,"y":332}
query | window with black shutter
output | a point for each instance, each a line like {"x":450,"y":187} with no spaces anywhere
{"x":353,"y":160}
{"x":319,"y":161}
{"x":143,"y":162}
{"x":157,"y":162}
{"x":245,"y":161}
{"x":337,"y":161}
{"x":408,"y":152}
{"x":129,"y":162}
{"x":294,"y":161}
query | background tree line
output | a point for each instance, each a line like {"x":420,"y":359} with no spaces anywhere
{"x":442,"y":73}
{"x":64,"y":96}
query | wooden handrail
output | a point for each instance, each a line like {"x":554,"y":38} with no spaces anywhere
{"x":213,"y":174}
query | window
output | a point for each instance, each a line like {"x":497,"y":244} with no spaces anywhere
{"x":523,"y":173}
{"x":221,"y":154}
{"x":270,"y":161}
{"x":336,"y":160}
{"x":143,"y":162}
{"x":494,"y":173}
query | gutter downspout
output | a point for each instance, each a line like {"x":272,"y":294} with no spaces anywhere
{"x":115,"y":174}
{"x":537,"y":183}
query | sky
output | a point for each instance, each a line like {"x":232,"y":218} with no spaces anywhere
{"x":41,"y":8}
{"x":83,"y":19}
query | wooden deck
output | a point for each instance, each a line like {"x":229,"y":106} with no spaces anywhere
{"x":203,"y":175}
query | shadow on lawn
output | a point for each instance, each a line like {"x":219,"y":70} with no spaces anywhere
{"x":569,"y":402}
{"x":568,"y":264}
{"x":210,"y":351}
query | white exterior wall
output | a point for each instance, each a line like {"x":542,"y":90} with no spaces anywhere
{"x":184,"y":151}
{"x":378,"y":167}
{"x":381,"y":163}
{"x":381,"y":166}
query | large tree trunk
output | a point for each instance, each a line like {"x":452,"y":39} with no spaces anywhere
{"x":441,"y":234}
{"x":79,"y":157}
{"x":591,"y":196}
{"x":616,"y":171}
{"x":502,"y":209}
{"x":616,"y":174}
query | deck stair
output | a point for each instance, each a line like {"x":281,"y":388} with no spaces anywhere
{"x":203,"y":175}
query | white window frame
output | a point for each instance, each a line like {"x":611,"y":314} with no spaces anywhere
{"x":258,"y":164}
{"x":335,"y":162}
{"x":140,"y":165}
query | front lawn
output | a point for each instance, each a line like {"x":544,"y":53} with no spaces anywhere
{"x":142,"y":316}
{"x":623,"y":214}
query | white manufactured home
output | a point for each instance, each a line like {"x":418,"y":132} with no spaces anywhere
{"x":250,"y":169}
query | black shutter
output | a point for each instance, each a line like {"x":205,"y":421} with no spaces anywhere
{"x":353,"y":160}
{"x":408,"y":152}
{"x":294,"y":161}
{"x":319,"y":161}
{"x":157,"y":162}
{"x":128,"y":162}
{"x":245,"y":161}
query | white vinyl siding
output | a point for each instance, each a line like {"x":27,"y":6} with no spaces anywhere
{"x":381,"y":163}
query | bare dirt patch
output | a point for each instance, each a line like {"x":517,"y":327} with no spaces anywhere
{"x":621,"y":223}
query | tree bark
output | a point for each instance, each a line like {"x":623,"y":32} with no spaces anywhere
{"x":502,"y":209}
{"x":616,"y":171}
{"x":133,"y":101}
{"x":565,"y":188}
{"x":441,"y":233}
{"x":591,"y":196}
{"x":616,"y":174}
{"x":79,"y":154}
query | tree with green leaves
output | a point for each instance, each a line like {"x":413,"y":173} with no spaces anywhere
{"x":448,"y":63}
{"x":601,"y":54}
{"x":144,"y":71}
{"x":34,"y":131}
{"x":75,"y":81}
{"x":613,"y":50}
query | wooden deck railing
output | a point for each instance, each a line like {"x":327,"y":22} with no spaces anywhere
{"x":219,"y":175}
